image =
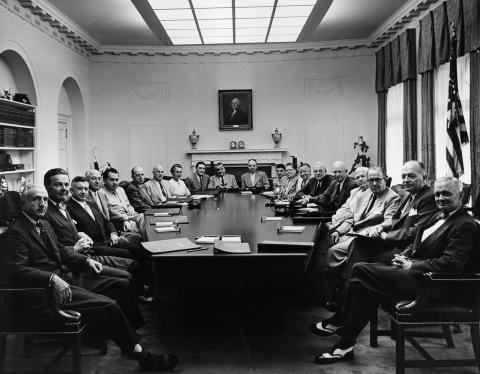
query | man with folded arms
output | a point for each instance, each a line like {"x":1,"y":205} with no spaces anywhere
{"x":34,"y":258}
{"x":315,"y":186}
{"x":157,"y":189}
{"x":368,"y":211}
{"x":122,"y":214}
{"x":222,"y":181}
{"x":198,"y":181}
{"x":339,"y":191}
{"x":137,"y":196}
{"x":254,"y":179}
{"x":445,"y":246}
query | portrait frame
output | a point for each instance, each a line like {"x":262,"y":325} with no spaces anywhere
{"x":242,"y":119}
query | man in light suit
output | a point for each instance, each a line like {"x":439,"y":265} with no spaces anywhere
{"x":369,"y":210}
{"x":222,"y":181}
{"x":447,"y":245}
{"x":198,"y":181}
{"x":95,"y":193}
{"x":254,"y":179}
{"x":34,"y":258}
{"x":157,"y":189}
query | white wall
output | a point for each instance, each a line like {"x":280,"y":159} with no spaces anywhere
{"x":320,"y":101}
{"x":50,"y":64}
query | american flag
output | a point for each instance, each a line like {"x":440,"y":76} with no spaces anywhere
{"x":456,"y":128}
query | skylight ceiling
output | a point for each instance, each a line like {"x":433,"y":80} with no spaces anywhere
{"x":232,"y":21}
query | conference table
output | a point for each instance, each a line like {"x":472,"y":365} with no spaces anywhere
{"x":235,"y":280}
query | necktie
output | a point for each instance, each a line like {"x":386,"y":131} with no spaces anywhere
{"x":201,"y":181}
{"x":370,"y":205}
{"x":223,"y":182}
{"x":88,"y":210}
{"x":63,"y":209}
{"x":162,"y":189}
{"x":43,"y":233}
{"x":97,"y":200}
{"x":407,"y":205}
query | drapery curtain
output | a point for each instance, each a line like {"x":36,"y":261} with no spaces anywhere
{"x":382,"y":121}
{"x":475,"y":121}
{"x":428,"y":124}
{"x":410,"y":120}
{"x":441,"y":77}
{"x":394,"y":140}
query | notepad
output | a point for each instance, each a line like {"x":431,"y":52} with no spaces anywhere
{"x":175,"y":220}
{"x":231,"y":238}
{"x":292,"y":228}
{"x":265,"y":219}
{"x":207,"y":239}
{"x":169,"y":245}
{"x":222,"y":247}
{"x":162,"y":214}
{"x":166,"y":229}
{"x":163,"y":224}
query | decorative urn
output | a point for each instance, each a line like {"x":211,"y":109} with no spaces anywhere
{"x":194,"y":139}
{"x":276,"y":136}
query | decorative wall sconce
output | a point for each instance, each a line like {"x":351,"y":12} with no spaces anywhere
{"x":194,"y":139}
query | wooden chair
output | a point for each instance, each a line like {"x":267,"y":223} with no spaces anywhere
{"x":447,"y":299}
{"x":61,"y":323}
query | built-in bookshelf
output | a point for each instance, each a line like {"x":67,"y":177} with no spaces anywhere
{"x":17,"y":141}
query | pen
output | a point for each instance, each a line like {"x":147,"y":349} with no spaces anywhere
{"x":197,"y":249}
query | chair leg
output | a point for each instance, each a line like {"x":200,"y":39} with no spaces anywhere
{"x":3,"y":350}
{"x":399,"y":348}
{"x":76,"y":354}
{"x":393,"y":330}
{"x":448,"y":336}
{"x":374,"y":329}
{"x":475,"y":334}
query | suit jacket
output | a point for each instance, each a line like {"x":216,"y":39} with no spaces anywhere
{"x":29,"y":262}
{"x":103,"y":208}
{"x":154,"y":192}
{"x":331,"y":200}
{"x":345,"y":210}
{"x":96,"y":229}
{"x":408,"y":217}
{"x":362,"y":217}
{"x":449,"y":248}
{"x":64,"y":228}
{"x":314,"y":190}
{"x":236,"y":118}
{"x":289,"y":189}
{"x":261,"y":180}
{"x":216,"y":182}
{"x":193,"y":184}
{"x":139,"y":199}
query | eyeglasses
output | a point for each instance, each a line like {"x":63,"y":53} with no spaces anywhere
{"x":375,"y":180}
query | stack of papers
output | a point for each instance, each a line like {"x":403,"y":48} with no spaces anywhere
{"x":245,"y":192}
{"x":169,"y":245}
{"x":163,"y":224}
{"x":167,"y":229}
{"x":231,"y":238}
{"x":207,"y":239}
{"x":222,"y":247}
{"x":265,"y":219}
{"x":292,"y":228}
{"x":200,"y":197}
{"x":162,"y":214}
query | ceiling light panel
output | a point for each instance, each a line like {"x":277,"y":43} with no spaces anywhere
{"x":253,"y":31}
{"x":251,"y":22}
{"x":215,"y":24}
{"x":218,"y":40}
{"x":198,"y":4}
{"x":285,"y":30}
{"x":186,"y":41}
{"x":252,"y":3}
{"x":293,"y":21}
{"x":253,"y":12}
{"x":173,"y":14}
{"x":214,"y":13}
{"x":217,"y":32}
{"x":293,"y":11}
{"x":250,"y":39}
{"x":295,"y":2}
{"x":179,"y":25}
{"x":169,"y":4}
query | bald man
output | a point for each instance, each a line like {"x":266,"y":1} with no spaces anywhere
{"x":338,"y":192}
{"x":95,"y":192}
{"x":316,"y":185}
{"x":156,"y":188}
{"x":139,"y":199}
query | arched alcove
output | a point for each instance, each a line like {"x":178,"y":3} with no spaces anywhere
{"x":17,"y":146}
{"x":73,"y":151}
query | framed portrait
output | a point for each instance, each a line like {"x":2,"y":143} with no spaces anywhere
{"x":235,"y":110}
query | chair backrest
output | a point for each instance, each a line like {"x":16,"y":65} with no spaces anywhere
{"x":476,"y":206}
{"x":466,"y":193}
{"x":124,"y":184}
{"x":10,"y":208}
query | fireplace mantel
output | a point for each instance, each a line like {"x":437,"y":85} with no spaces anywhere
{"x":269,"y":157}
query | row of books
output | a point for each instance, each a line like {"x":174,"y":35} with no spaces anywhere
{"x":17,"y":116}
{"x":16,"y":137}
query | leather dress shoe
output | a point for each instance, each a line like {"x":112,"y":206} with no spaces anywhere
{"x":152,"y":362}
{"x":324,"y":329}
{"x":331,"y":306}
{"x":335,"y":355}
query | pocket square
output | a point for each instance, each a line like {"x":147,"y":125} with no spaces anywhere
{"x":412,"y":212}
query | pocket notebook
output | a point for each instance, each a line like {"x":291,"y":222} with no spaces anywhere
{"x":169,"y":245}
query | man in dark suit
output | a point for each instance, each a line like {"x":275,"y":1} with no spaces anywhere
{"x":254,"y":179}
{"x":198,"y":181}
{"x":95,"y":194}
{"x":34,"y":257}
{"x":339,"y":191}
{"x":315,"y":186}
{"x":137,"y":196}
{"x":237,"y":116}
{"x":445,"y":246}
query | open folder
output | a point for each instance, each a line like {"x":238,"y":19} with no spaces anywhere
{"x":169,"y":245}
{"x":222,"y":247}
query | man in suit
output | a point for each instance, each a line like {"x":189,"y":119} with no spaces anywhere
{"x":95,"y":193}
{"x":290,"y":183}
{"x":236,"y":116}
{"x":315,"y":186}
{"x":122,"y":214}
{"x":445,"y":246}
{"x":280,"y":171}
{"x":222,"y":181}
{"x":34,"y":257}
{"x":254,"y":179}
{"x":157,"y":189}
{"x":198,"y":181}
{"x":305,"y":174}
{"x":137,"y":196}
{"x":368,"y":211}
{"x":339,"y":191}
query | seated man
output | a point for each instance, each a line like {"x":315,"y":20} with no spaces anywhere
{"x":221,"y":180}
{"x":157,"y":189}
{"x":177,"y":186}
{"x":290,"y":183}
{"x":369,"y":210}
{"x":254,"y":179}
{"x":305,"y":173}
{"x":339,"y":191}
{"x":445,"y":246}
{"x":139,"y":199}
{"x":199,"y":180}
{"x":95,"y":193}
{"x":280,"y":170}
{"x":122,"y":214}
{"x":315,"y":186}
{"x":34,"y":258}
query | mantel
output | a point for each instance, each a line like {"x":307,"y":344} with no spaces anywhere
{"x":213,"y":151}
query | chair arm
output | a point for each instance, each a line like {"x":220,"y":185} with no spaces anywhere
{"x":440,"y":290}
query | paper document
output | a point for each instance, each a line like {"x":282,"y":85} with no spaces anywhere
{"x":231,"y":238}
{"x":167,"y":229}
{"x":169,"y":245}
{"x":292,"y":228}
{"x":207,"y":239}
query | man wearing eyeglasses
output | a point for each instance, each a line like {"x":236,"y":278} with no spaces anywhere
{"x":369,"y":211}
